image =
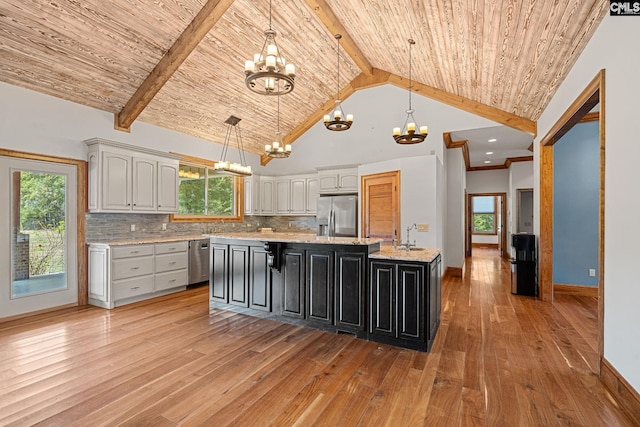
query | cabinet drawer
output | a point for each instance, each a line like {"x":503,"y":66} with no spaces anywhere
{"x":168,"y":248}
{"x":131,"y":251}
{"x":128,"y":288}
{"x":131,"y":267}
{"x":170,"y":280}
{"x":169,"y":262}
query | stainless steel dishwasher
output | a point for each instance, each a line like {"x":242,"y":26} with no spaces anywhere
{"x":198,"y":261}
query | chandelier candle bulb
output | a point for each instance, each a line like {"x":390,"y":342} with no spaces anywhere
{"x":424,"y":130}
{"x":337,"y":115}
{"x":276,"y":145}
{"x":350,"y":118}
{"x":327,"y":118}
{"x":290,"y":69}
{"x":411,"y":127}
{"x":249,"y":65}
{"x":272,"y":50}
{"x":396,"y":131}
{"x":271,"y":61}
{"x":287,"y":147}
{"x":267,"y":147}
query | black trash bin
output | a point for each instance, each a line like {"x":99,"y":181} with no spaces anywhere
{"x":523,"y":266}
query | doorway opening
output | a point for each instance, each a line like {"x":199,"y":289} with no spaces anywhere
{"x":485,"y":217}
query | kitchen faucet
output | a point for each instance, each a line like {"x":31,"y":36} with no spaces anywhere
{"x":406,"y":246}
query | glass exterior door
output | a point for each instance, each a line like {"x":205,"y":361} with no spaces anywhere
{"x":39,"y":231}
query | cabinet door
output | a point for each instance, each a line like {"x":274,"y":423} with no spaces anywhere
{"x":259,"y":279}
{"x":297,"y":202}
{"x":266,"y":196}
{"x":348,"y":182}
{"x":218,"y":270}
{"x":434,"y":297}
{"x":116,"y":182}
{"x":382,"y":299}
{"x":144,"y":184}
{"x":99,"y":288}
{"x":328,"y":183}
{"x":411,"y":302}
{"x":282,"y":196}
{"x":168,"y":187}
{"x":312,"y":196}
{"x":320,"y":278}
{"x":248,"y":196}
{"x":349,"y":289}
{"x":239,"y":275}
{"x":293,"y":283}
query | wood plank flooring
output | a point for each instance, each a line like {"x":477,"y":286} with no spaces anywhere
{"x":498,"y":359}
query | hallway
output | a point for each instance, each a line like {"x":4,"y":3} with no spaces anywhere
{"x":498,"y":360}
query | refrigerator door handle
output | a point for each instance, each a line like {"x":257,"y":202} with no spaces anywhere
{"x":332,"y":224}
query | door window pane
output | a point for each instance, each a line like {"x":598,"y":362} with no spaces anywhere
{"x":38,"y":224}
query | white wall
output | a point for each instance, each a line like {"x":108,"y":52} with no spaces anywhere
{"x":37,"y":123}
{"x":612,"y":48}
{"x":456,"y":183}
{"x":491,"y":181}
{"x":418,"y":195}
{"x":377,"y":111}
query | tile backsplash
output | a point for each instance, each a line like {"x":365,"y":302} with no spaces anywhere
{"x":110,"y":226}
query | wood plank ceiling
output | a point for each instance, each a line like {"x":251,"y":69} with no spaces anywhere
{"x":502,"y":60}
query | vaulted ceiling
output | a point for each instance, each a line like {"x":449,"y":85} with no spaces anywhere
{"x":179,"y":64}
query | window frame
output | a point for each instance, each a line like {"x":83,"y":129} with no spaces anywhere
{"x":238,"y":196}
{"x":494,"y":232}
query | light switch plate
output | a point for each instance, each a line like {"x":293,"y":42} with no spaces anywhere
{"x":423,"y":227}
{"x":592,"y":272}
{"x":133,"y":227}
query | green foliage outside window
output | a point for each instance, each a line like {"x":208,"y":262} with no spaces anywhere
{"x":204,"y":193}
{"x":483,"y":223}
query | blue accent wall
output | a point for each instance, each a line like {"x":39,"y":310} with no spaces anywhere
{"x":576,"y":188}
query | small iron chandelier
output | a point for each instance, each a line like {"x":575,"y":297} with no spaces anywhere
{"x":224,"y":167}
{"x":408,"y":134}
{"x":278,"y":150}
{"x":335,"y":120}
{"x":264,"y":73}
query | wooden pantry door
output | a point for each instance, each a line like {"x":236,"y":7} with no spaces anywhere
{"x":381,"y":205}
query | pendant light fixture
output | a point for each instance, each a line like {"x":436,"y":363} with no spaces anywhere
{"x":337,"y":120}
{"x":267,"y":69}
{"x":224,"y":167}
{"x":277,"y":150}
{"x":408,"y":134}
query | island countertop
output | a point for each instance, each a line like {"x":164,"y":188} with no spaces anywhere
{"x":297,"y":238}
{"x":393,"y":253}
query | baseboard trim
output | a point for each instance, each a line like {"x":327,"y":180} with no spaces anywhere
{"x":579,"y":290}
{"x":485,"y":245}
{"x":453,"y":272}
{"x":626,"y":396}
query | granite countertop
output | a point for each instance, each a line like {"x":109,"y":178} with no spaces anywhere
{"x":298,"y":238}
{"x":391,"y":252}
{"x":160,"y":238}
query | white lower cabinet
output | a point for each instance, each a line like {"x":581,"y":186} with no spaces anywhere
{"x":121,"y":275}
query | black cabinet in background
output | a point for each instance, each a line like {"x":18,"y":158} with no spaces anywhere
{"x":293,"y":283}
{"x":218,"y":270}
{"x":320,"y":267}
{"x":349,"y":287}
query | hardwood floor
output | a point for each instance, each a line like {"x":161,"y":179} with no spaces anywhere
{"x":498,"y":359}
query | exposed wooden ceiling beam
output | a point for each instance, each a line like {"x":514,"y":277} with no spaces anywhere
{"x":333,"y":24}
{"x":197,"y":29}
{"x":468,"y":105}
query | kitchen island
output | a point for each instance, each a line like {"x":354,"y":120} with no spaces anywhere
{"x":336,"y":284}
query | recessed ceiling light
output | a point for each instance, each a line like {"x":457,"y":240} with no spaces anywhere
{"x":489,"y":153}
{"x":487,"y":161}
{"x":492,"y":140}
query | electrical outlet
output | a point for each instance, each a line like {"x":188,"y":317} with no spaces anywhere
{"x":133,"y":227}
{"x":164,"y":226}
{"x":592,"y":272}
{"x":423,"y":227}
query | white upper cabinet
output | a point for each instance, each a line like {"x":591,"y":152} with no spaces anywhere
{"x":267,"y":191}
{"x":291,"y":195}
{"x":312,"y":195}
{"x":129,"y":179}
{"x":252,"y":195}
{"x":333,"y":181}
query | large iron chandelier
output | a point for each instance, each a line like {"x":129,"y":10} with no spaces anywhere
{"x":277,"y":149}
{"x":337,"y":120}
{"x":268,"y":69}
{"x":408,"y":134}
{"x":224,"y":167}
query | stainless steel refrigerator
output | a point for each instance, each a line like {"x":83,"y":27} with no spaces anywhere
{"x":338,"y":215}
